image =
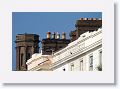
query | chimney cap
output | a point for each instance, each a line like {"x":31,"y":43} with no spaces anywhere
{"x":63,"y":35}
{"x":58,"y":35}
{"x":81,"y":18}
{"x":48,"y":32}
{"x":94,"y":18}
{"x":57,"y":32}
{"x":53,"y":33}
{"x":90,"y":18}
{"x":63,"y":32}
{"x":85,"y":18}
{"x":99,"y":18}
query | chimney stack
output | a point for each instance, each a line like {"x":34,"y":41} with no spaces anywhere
{"x":63,"y":35}
{"x":48,"y":35}
{"x":53,"y":35}
{"x":58,"y":35}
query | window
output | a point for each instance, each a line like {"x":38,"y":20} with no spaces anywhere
{"x":72,"y":67}
{"x":22,"y":59}
{"x":100,"y":57}
{"x":100,"y":61}
{"x":81,"y":65}
{"x":91,"y":63}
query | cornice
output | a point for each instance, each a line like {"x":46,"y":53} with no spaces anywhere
{"x":77,"y":43}
{"x":75,"y":54}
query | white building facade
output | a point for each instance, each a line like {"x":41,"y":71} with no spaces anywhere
{"x":83,"y":54}
{"x":39,"y":62}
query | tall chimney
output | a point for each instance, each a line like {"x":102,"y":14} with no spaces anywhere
{"x":48,"y":35}
{"x":53,"y":35}
{"x":58,"y":35}
{"x":63,"y":35}
{"x":89,"y":24}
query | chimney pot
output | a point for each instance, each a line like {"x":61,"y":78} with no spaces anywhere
{"x":63,"y":35}
{"x":81,"y":18}
{"x":85,"y":18}
{"x":48,"y":35}
{"x":94,"y":18}
{"x":90,"y":19}
{"x":99,"y":18}
{"x":58,"y":35}
{"x":53,"y":35}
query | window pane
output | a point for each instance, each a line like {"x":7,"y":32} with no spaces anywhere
{"x":72,"y":67}
{"x":81,"y":65}
{"x":91,"y":63}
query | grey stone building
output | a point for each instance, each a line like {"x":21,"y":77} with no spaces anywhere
{"x":26,"y":45}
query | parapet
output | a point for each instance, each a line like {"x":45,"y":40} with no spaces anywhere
{"x":27,"y":38}
{"x":89,"y":22}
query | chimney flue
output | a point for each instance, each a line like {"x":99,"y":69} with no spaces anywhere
{"x":90,"y":19}
{"x":53,"y":35}
{"x":81,"y":18}
{"x":99,"y":18}
{"x":58,"y":35}
{"x":94,"y":18}
{"x":63,"y":35}
{"x":48,"y":35}
{"x":85,"y":18}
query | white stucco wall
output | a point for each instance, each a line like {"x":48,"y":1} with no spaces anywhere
{"x":84,"y":41}
{"x":85,"y":59}
{"x":36,"y":59}
{"x":80,"y":49}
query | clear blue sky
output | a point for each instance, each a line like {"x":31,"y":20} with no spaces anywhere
{"x":42,"y":22}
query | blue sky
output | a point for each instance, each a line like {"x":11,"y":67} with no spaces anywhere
{"x":42,"y":22}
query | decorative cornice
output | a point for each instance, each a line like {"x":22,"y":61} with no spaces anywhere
{"x":75,"y":54}
{"x":77,"y":43}
{"x":40,"y":66}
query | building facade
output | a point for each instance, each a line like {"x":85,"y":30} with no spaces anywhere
{"x":83,"y":54}
{"x":39,"y":62}
{"x":52,"y":43}
{"x":26,"y":45}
